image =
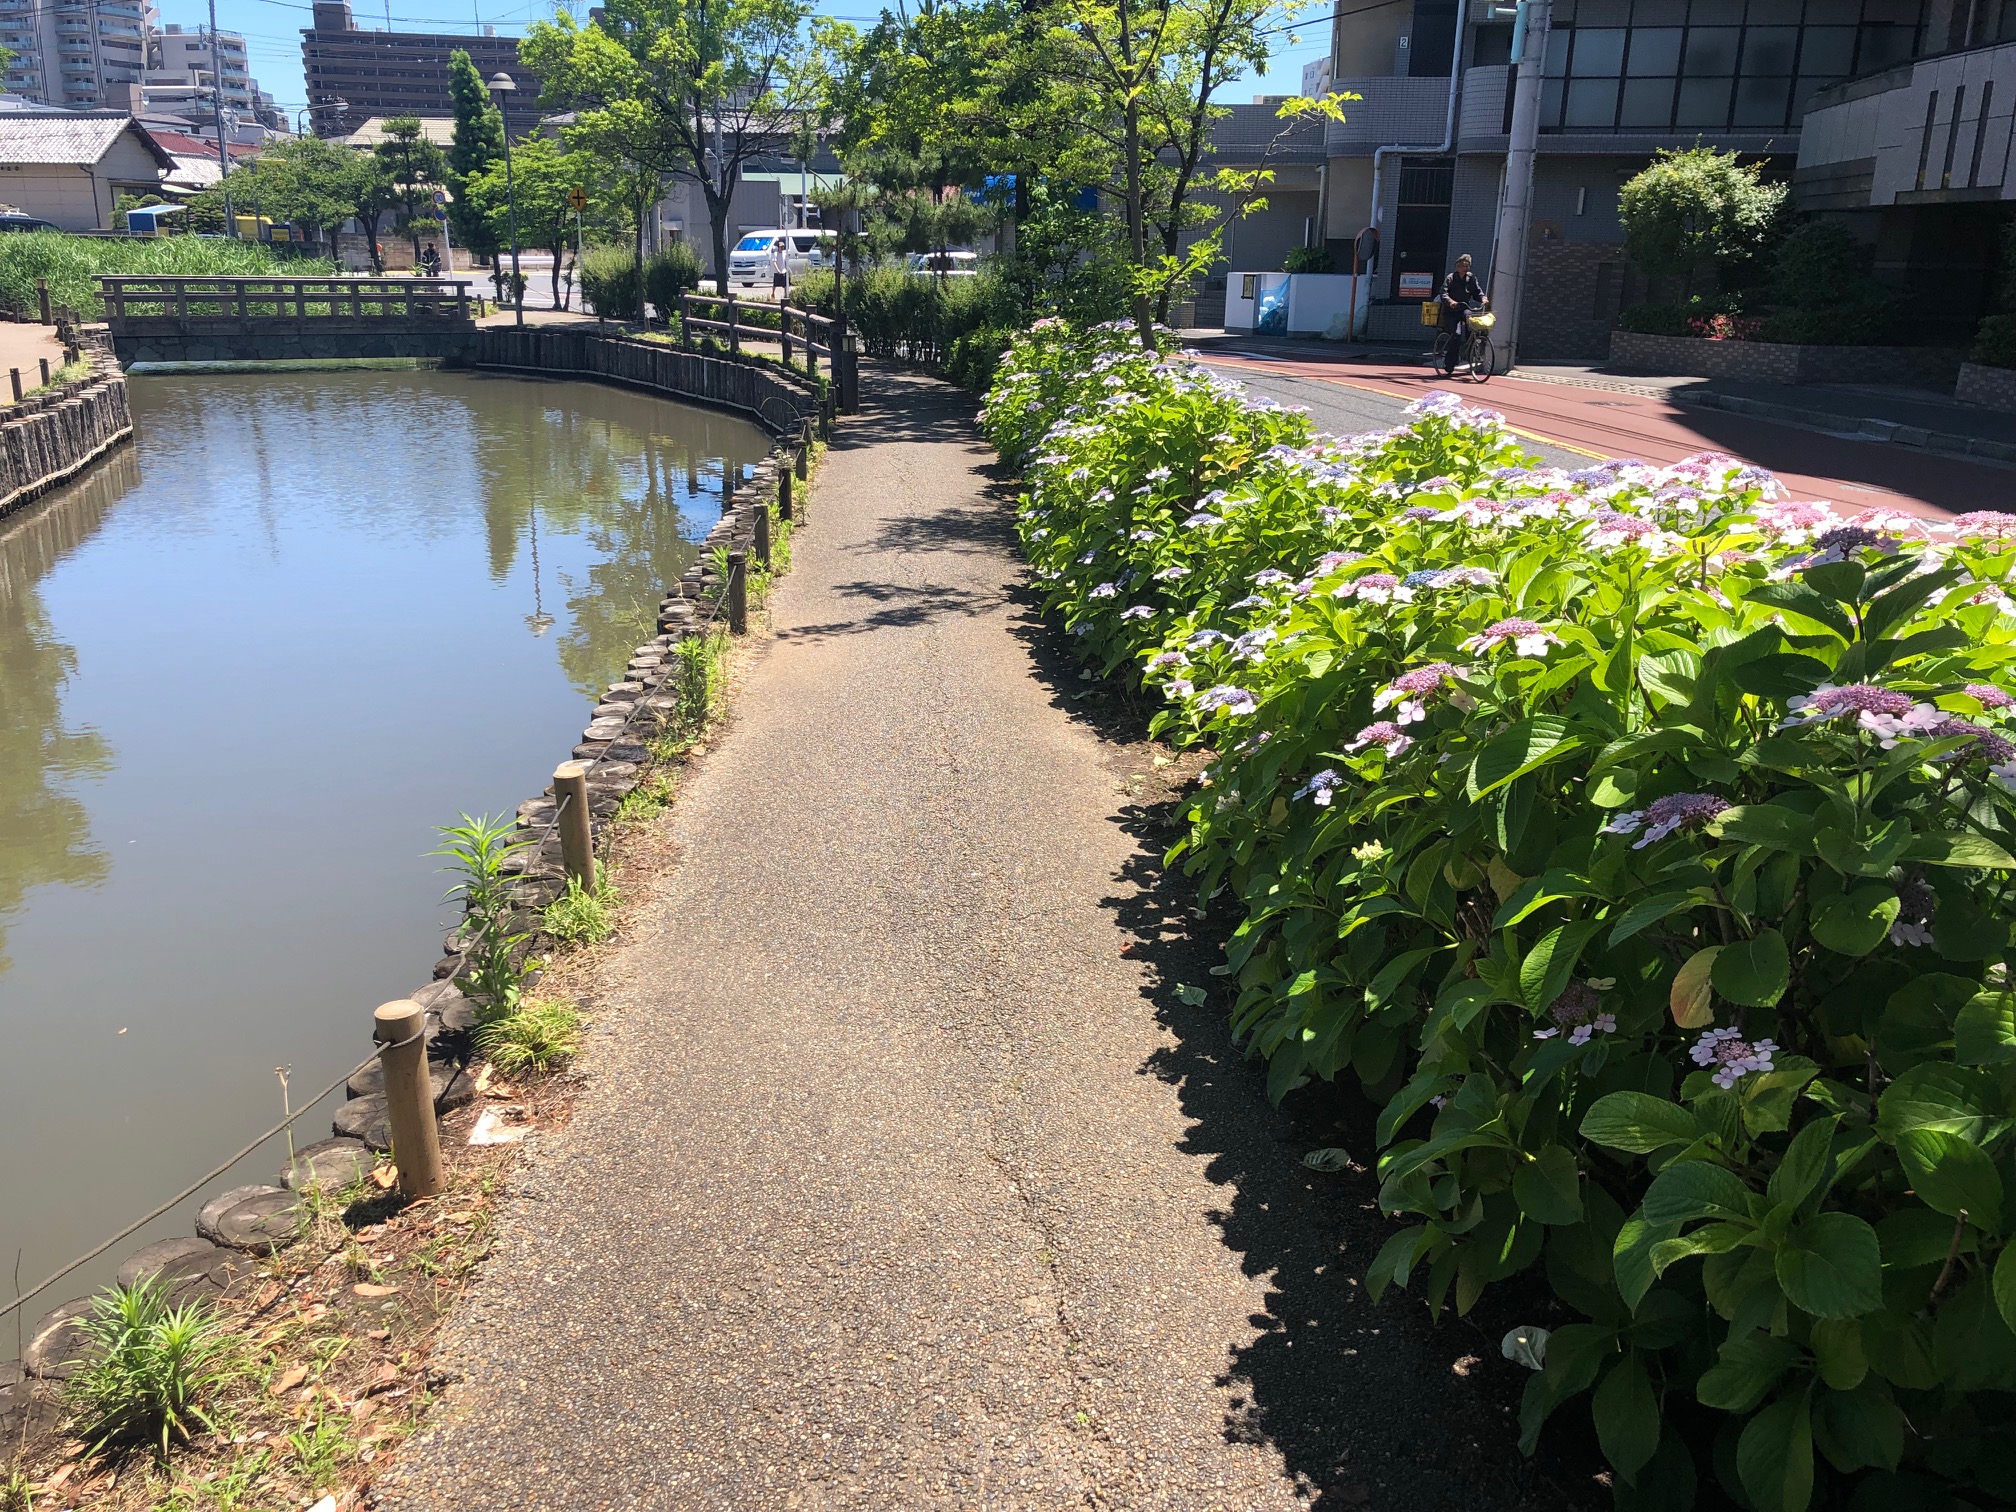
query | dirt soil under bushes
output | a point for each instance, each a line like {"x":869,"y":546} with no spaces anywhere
{"x":902,"y":1174}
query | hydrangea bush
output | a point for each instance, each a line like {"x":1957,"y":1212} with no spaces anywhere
{"x":1642,"y":843}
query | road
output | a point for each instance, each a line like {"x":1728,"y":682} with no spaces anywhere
{"x":1569,"y":423}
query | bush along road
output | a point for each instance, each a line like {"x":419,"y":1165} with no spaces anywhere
{"x":1641,"y":843}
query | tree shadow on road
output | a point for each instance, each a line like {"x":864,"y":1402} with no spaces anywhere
{"x":1372,"y":1405}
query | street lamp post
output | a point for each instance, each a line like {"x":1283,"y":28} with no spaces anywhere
{"x":501,"y":85}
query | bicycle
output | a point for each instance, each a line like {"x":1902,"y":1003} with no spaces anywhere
{"x":1477,"y":354}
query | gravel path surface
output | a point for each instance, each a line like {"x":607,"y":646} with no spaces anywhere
{"x":902,"y":1179}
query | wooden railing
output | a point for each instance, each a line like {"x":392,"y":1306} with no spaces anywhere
{"x":435,"y":301}
{"x":819,"y":335}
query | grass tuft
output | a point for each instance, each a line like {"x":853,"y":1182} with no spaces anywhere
{"x":540,"y":1037}
{"x":582,"y":915}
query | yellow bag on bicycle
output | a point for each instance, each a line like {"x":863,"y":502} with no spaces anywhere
{"x":1483,"y":320}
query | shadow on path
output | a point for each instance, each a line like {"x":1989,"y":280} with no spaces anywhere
{"x":1376,"y":1405}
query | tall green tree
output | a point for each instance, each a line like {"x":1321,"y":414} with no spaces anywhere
{"x":478,"y":147}
{"x":1699,"y":215}
{"x":693,"y":89}
{"x":544,"y":172}
{"x":414,"y":166}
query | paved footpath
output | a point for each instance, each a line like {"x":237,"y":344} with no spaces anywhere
{"x":893,"y":1185}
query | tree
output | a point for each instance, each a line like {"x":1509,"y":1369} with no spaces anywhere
{"x":544,"y":173}
{"x":1698,"y":214}
{"x":478,"y":146}
{"x":688,"y":88}
{"x":311,"y":181}
{"x":413,"y":166}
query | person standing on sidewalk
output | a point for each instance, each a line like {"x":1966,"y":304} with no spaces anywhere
{"x":1461,"y":293}
{"x":780,"y":269}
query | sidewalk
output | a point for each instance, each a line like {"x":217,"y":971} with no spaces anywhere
{"x":903,"y":1179}
{"x":1908,"y":417}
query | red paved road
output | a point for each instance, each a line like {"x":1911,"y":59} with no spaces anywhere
{"x":1853,"y":474}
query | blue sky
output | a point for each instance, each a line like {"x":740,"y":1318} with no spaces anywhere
{"x":272,"y":34}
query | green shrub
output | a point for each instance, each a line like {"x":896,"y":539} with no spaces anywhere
{"x":1642,"y":845}
{"x":1995,"y":342}
{"x":609,"y":282}
{"x":1822,"y":290}
{"x":479,"y":852}
{"x":539,"y":1037}
{"x":152,"y":1371}
{"x":1307,"y":260}
{"x":74,"y":264}
{"x":671,"y":271}
{"x":895,"y":313}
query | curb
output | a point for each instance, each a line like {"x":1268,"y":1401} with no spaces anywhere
{"x":1869,"y":428}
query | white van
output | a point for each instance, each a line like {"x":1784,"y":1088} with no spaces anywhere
{"x":749,"y":258}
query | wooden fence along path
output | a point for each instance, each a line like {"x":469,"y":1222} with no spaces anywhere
{"x":735,"y":320}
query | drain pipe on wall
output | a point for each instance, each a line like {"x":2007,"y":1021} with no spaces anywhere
{"x":1448,"y":128}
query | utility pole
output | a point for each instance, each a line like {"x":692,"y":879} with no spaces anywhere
{"x":1508,"y":257}
{"x":217,"y":110}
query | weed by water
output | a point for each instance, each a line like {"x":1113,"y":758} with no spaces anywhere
{"x":477,"y":849}
{"x":154,"y":1370}
{"x":539,"y":1037}
{"x":584,"y":915}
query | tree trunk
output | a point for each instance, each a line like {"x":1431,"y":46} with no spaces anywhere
{"x":558,"y":249}
{"x":643,"y":306}
{"x":717,"y":228}
{"x":1137,"y":230}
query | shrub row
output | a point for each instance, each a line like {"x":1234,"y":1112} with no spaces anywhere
{"x":73,"y":264}
{"x":1642,"y":844}
{"x":961,"y":324}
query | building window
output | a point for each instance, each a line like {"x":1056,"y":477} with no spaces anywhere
{"x":1712,"y":65}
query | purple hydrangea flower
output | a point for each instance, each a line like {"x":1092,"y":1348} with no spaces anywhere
{"x":1576,"y":1010}
{"x":1913,"y":924}
{"x":1178,"y":687}
{"x":1988,"y":696}
{"x":1206,"y":638}
{"x":1882,"y":712}
{"x":1234,"y":701}
{"x":1170,"y":574}
{"x":1374,"y":588}
{"x":1663,"y":816}
{"x":1166,"y":660}
{"x":1136,"y":611}
{"x":1252,"y":646}
{"x":1103,"y":591}
{"x":1320,"y":787}
{"x":1732,"y":1056}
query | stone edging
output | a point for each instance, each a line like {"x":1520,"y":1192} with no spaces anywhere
{"x":47,"y":440}
{"x":250,"y":1220}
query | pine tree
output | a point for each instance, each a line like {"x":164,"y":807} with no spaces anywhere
{"x":478,"y":146}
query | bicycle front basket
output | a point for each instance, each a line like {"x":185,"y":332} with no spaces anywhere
{"x":1483,"y":321}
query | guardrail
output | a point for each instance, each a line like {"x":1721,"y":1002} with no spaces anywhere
{"x":432,"y":301}
{"x":818,"y":335}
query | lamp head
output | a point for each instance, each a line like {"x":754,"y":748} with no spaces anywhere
{"x":501,"y":83}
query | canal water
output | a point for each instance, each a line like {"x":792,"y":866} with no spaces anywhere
{"x":246,"y":665}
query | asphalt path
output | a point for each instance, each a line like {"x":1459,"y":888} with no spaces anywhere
{"x":1571,"y":423}
{"x":904,"y":1176}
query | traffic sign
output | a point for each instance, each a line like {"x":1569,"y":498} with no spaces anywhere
{"x":440,"y":196}
{"x":577,"y":198}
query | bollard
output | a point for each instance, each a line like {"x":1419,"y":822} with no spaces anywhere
{"x":784,"y":494}
{"x":762,"y":523}
{"x":45,"y":372}
{"x":738,"y":593}
{"x":577,"y":832}
{"x":803,"y":461}
{"x":42,"y":299}
{"x":15,"y":375}
{"x":409,"y":1098}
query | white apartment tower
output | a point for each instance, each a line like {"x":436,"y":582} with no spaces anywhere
{"x":77,"y":53}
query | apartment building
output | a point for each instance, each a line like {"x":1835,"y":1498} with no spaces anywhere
{"x":1422,"y":156}
{"x":387,"y":73}
{"x":79,"y":54}
{"x":201,"y":61}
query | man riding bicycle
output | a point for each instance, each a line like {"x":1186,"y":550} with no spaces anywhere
{"x":1462,"y":296}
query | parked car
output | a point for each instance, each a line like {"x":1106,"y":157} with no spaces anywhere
{"x":749,"y":258}
{"x":17,"y":222}
{"x":945,"y":264}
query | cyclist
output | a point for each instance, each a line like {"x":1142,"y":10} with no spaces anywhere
{"x":1461,"y":295}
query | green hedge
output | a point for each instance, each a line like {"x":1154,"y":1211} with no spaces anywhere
{"x":73,"y":264}
{"x":960,"y":324}
{"x":1643,"y":845}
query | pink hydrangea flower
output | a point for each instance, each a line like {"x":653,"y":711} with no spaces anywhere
{"x":1982,"y":525}
{"x":1528,"y":638}
{"x":1988,"y":695}
{"x":1382,"y":733}
{"x":1576,"y":1011}
{"x":1374,"y":588}
{"x":1882,"y":712}
{"x":1732,"y":1056}
{"x":1234,"y":701}
{"x":1413,"y":690}
{"x":1794,"y":524}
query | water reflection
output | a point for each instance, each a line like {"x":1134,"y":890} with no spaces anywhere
{"x":245,"y":667}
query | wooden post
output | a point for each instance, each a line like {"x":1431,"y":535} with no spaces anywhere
{"x":577,"y":833}
{"x":804,"y":459}
{"x":738,"y":593}
{"x":181,"y":301}
{"x":42,"y":299}
{"x":784,"y":331}
{"x":686,"y":320}
{"x":15,"y":375}
{"x":45,"y":371}
{"x":734,"y":330}
{"x":784,"y":494}
{"x":409,"y":1099}
{"x":762,"y":534}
